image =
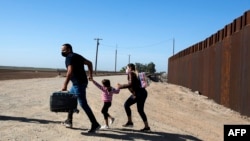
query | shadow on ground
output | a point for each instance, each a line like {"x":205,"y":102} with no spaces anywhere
{"x":114,"y":133}
{"x":131,"y":134}
{"x":24,"y":119}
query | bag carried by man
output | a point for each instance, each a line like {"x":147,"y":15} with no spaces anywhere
{"x":63,"y":101}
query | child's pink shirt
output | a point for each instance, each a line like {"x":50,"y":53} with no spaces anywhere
{"x":106,"y":95}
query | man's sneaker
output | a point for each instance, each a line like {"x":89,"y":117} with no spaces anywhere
{"x":68,"y":123}
{"x":94,"y":127}
{"x":104,"y":127}
{"x":145,"y":129}
{"x":128,"y":124}
{"x":112,"y":121}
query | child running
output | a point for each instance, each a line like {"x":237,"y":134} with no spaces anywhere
{"x":107,"y":94}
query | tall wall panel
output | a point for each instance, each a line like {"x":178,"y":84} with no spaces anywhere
{"x":219,"y":66}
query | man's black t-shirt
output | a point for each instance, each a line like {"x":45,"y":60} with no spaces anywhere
{"x":78,"y":75}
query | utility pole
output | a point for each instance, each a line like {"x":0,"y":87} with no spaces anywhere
{"x":129,"y":58}
{"x":173,"y":46}
{"x":115,"y":57}
{"x":97,"y":39}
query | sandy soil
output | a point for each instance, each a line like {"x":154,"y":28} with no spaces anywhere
{"x":174,"y":113}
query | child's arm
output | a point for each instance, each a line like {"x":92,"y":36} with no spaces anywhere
{"x":98,"y":85}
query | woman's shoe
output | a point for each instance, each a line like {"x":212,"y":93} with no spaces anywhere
{"x":128,"y":124}
{"x":145,"y":129}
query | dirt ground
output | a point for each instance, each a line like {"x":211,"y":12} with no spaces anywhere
{"x":174,"y":114}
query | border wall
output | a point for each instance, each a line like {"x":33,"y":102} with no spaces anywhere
{"x":219,"y":66}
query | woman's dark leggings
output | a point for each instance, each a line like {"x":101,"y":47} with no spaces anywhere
{"x":105,"y":109}
{"x":140,"y":99}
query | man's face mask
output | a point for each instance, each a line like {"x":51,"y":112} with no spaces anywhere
{"x":64,"y":54}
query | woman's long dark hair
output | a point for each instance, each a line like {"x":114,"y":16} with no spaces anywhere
{"x":131,"y":66}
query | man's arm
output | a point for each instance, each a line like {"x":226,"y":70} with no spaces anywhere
{"x":90,"y":68}
{"x":68,"y":76}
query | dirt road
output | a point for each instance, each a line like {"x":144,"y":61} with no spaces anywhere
{"x":174,"y":114}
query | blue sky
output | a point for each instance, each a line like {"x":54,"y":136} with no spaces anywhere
{"x":142,"y":31}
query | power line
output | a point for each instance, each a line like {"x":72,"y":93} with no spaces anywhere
{"x":109,"y":46}
{"x":142,"y":46}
